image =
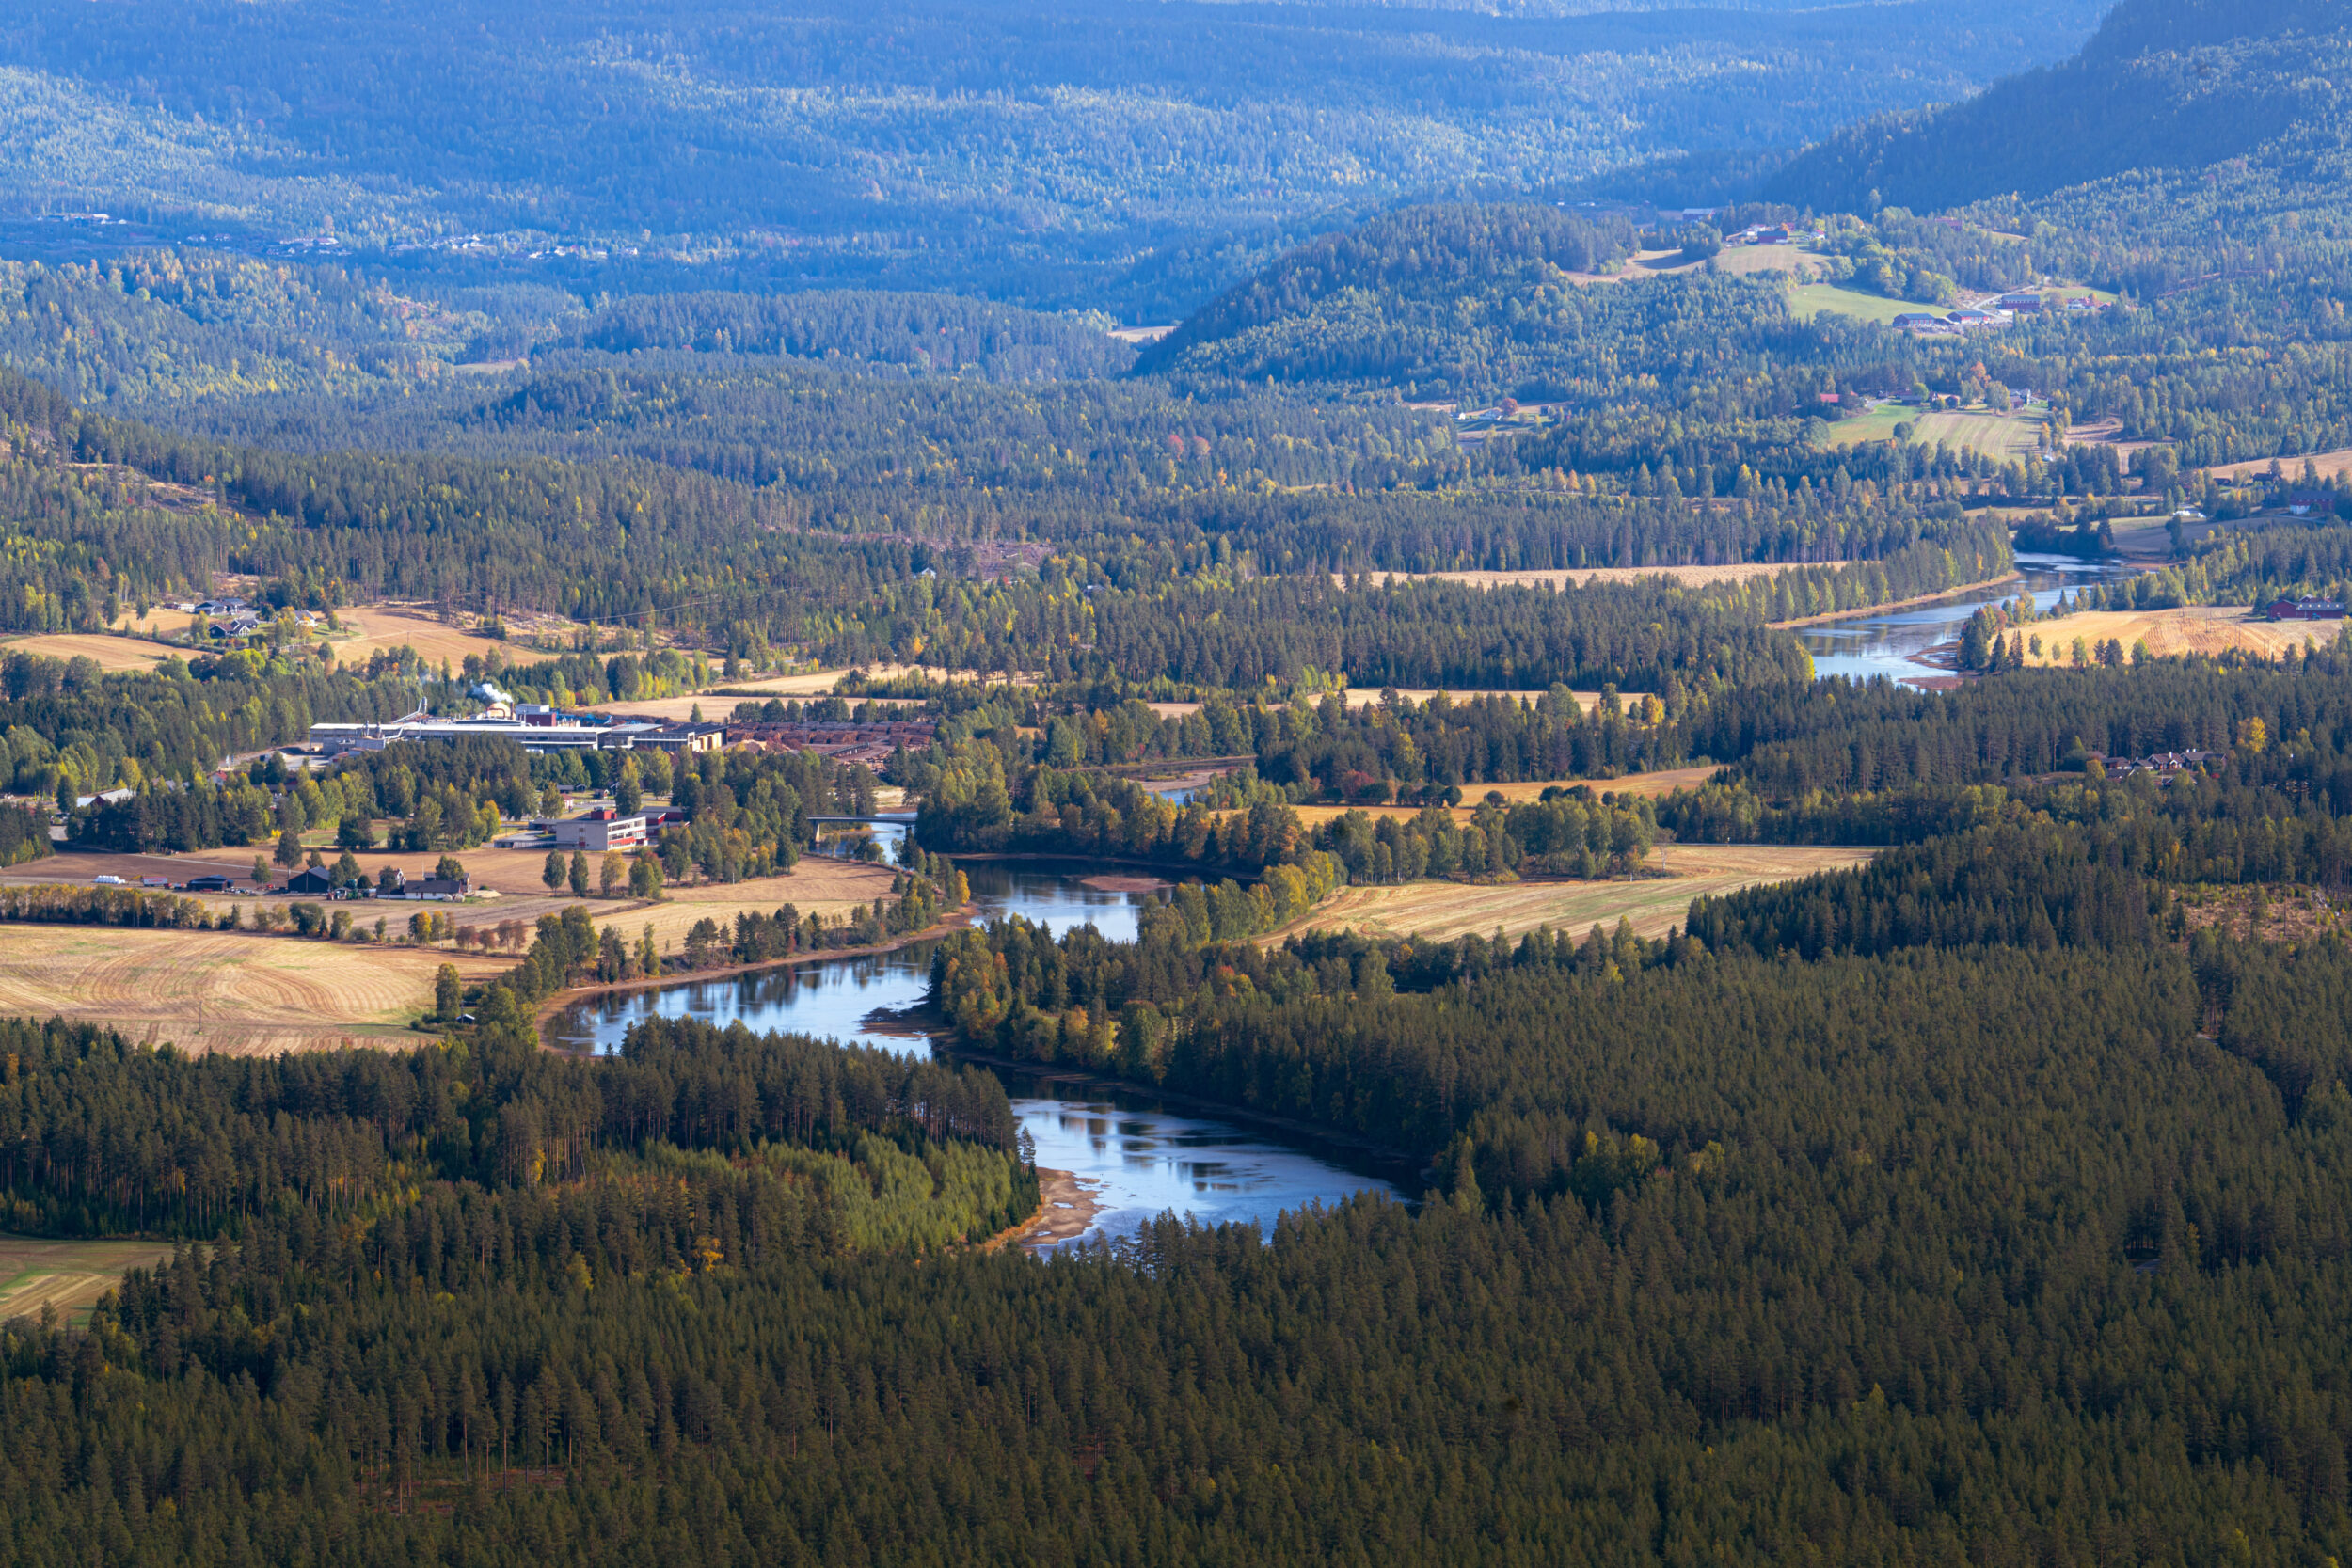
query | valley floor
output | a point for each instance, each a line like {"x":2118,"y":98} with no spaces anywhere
{"x":1652,"y":903}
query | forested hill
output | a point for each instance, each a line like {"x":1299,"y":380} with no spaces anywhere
{"x":917,"y":333}
{"x":1434,"y":254}
{"x":2164,"y":85}
{"x":1462,"y":301}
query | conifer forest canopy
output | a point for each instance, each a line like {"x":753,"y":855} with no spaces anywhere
{"x":1359,"y":473}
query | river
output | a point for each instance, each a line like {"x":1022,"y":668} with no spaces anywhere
{"x":1882,"y":643}
{"x":1139,"y":1156}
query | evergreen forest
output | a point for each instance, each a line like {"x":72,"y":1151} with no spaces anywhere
{"x":1860,"y":495}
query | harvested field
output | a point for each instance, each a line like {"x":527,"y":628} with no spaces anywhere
{"x":1690,"y":577}
{"x":2194,"y":629}
{"x":80,"y":865}
{"x":384,"y":625}
{"x":676,"y":710}
{"x":2003,"y":438}
{"x":1642,"y":264}
{"x":1665,"y":781}
{"x":159,"y":622}
{"x":1647,"y":786}
{"x":67,"y":1275}
{"x":218,"y":991}
{"x":2331,"y":465}
{"x":819,"y":884}
{"x":1740,"y":260}
{"x":112,"y":653}
{"x":1736,"y":259}
{"x":508,"y":872}
{"x":1652,"y":903}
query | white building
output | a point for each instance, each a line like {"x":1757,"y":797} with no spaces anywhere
{"x":601,"y":830}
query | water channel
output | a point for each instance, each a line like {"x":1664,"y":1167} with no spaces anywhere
{"x":1138,"y":1156}
{"x":1883,"y":643}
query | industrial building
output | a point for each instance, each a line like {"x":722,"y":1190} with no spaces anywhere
{"x":585,"y":733}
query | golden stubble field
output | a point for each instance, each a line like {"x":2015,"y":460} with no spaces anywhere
{"x":249,"y":993}
{"x":2193,"y":629}
{"x":1652,"y":903}
{"x":377,"y":627}
{"x":2331,"y":465}
{"x":381,"y":626}
{"x":223,"y":990}
{"x":819,"y":885}
{"x":112,"y":653}
{"x":69,"y":1276}
{"x":1649,"y":786}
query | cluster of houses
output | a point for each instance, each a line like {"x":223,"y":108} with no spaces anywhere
{"x":1773,"y":233}
{"x":1992,"y":314}
{"x":316,"y":882}
{"x":228,"y":619}
{"x":2166,"y":765}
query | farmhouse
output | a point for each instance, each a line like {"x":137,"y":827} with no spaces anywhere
{"x":393,"y":882}
{"x":2306,"y":610}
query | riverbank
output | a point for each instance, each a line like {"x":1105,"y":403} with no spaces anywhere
{"x":1398,"y":1164}
{"x":573,"y":996}
{"x":1913,"y":603}
{"x":1066,"y":1208}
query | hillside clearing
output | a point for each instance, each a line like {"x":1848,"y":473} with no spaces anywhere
{"x":2331,"y":465}
{"x":112,"y":653}
{"x":1808,"y":300}
{"x":2193,"y":629}
{"x":2004,"y":438}
{"x":69,"y":1276}
{"x":383,"y":625}
{"x":1445,"y":911}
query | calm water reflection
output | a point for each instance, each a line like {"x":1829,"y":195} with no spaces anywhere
{"x":1137,"y":1156}
{"x":1867,"y":645}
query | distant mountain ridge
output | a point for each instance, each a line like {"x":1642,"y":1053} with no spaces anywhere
{"x":2163,"y":84}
